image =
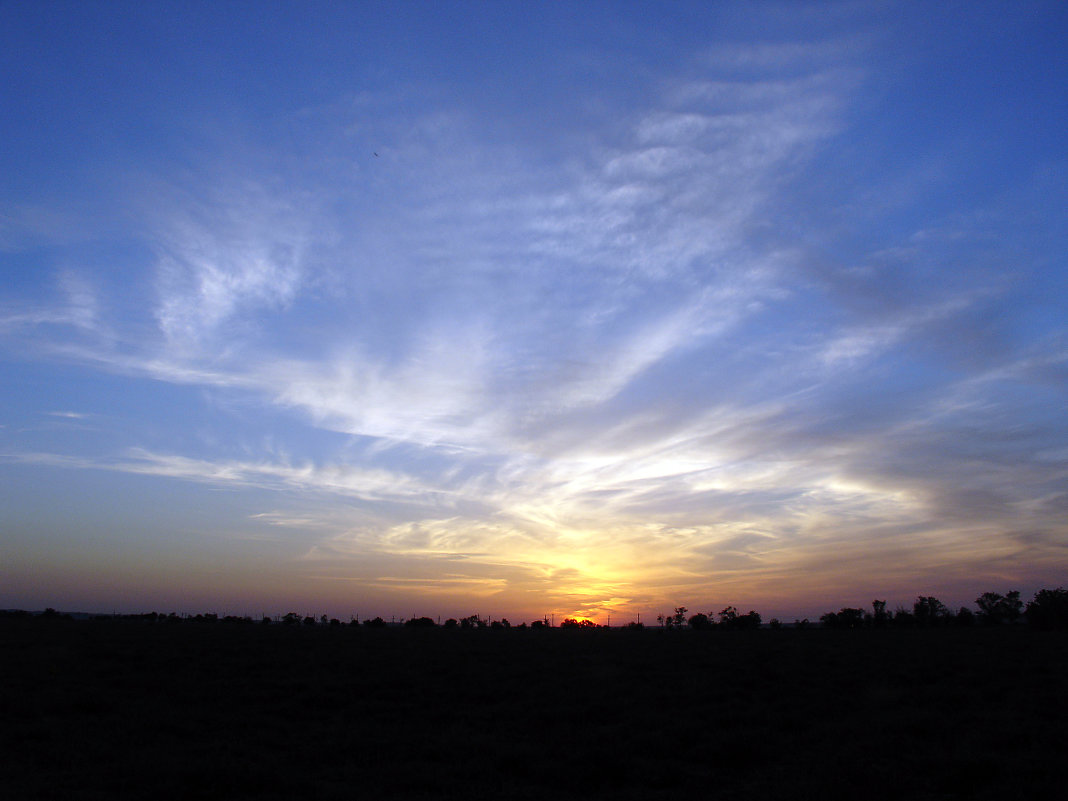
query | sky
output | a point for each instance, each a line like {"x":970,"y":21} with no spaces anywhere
{"x":517,"y":309}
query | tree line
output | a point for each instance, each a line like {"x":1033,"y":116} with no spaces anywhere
{"x":1047,"y":610}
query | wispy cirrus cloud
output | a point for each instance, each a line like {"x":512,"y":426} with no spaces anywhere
{"x":344,"y":480}
{"x":710,"y":346}
{"x":226,"y":259}
{"x":78,"y":309}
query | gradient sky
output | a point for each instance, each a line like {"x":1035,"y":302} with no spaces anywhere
{"x":513,"y":309}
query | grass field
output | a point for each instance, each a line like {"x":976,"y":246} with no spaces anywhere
{"x":104,"y":710}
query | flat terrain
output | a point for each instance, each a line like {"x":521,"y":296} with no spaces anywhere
{"x":105,"y":710}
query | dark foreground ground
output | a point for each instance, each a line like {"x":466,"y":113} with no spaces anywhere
{"x":106,"y":710}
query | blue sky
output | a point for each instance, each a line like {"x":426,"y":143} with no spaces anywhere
{"x":524,"y":308}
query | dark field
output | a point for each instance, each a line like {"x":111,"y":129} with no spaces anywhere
{"x":103,"y":710}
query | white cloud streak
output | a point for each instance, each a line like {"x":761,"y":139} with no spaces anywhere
{"x":223,"y":259}
{"x":589,"y":372}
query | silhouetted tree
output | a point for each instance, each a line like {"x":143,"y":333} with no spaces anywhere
{"x":879,"y":616}
{"x":995,"y":609}
{"x":700,"y":621}
{"x":375,"y":623}
{"x":420,"y":623}
{"x":903,"y":618}
{"x":750,"y":620}
{"x":929,"y":611}
{"x":572,"y":623}
{"x":730,"y":618}
{"x":775,"y":623}
{"x":679,"y":618}
{"x":451,"y":623}
{"x":1049,"y":609}
{"x":847,"y":618}
{"x":964,"y":617}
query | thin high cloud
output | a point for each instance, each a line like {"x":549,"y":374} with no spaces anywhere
{"x":79,"y":308}
{"x":643,"y":372}
{"x":232,"y":258}
{"x":338,"y":479}
{"x":226,"y":263}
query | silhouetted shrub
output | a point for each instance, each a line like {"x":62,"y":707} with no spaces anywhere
{"x":375,"y":623}
{"x":572,"y":623}
{"x":750,"y":620}
{"x":52,"y":614}
{"x":847,"y":618}
{"x":929,"y":611}
{"x":903,"y":618}
{"x":700,"y":621}
{"x":451,"y":623}
{"x":879,"y":616}
{"x":996,"y":609}
{"x":1049,"y":609}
